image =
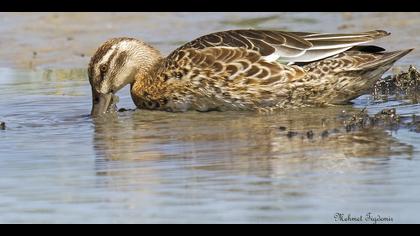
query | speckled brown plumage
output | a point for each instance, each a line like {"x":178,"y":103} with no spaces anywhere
{"x":255,"y":70}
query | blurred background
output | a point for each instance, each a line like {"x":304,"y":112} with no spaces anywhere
{"x":69,"y":39}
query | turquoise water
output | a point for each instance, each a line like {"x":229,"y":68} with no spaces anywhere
{"x":57,"y":165}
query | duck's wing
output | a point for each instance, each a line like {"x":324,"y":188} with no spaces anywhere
{"x":287,"y":47}
{"x":221,"y":70}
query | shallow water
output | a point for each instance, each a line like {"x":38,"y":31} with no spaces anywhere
{"x":58,"y":165}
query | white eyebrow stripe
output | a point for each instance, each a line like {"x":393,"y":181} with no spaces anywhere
{"x":107,"y":55}
{"x":125,"y":46}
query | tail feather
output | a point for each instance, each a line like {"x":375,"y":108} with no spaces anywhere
{"x":363,"y":77}
{"x":386,"y":58}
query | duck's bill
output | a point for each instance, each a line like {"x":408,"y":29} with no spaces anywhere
{"x":101,"y":103}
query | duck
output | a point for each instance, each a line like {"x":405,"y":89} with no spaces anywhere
{"x":240,"y":70}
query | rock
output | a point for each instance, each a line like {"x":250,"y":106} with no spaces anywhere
{"x":125,"y":109}
{"x":282,"y":128}
{"x":2,"y":125}
{"x":405,"y":84}
{"x":291,"y":134}
{"x":310,"y":134}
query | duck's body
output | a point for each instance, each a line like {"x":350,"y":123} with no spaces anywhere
{"x":242,"y":70}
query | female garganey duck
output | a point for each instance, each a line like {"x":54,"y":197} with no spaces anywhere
{"x":240,"y":70}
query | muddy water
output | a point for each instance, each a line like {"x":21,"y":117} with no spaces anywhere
{"x":58,"y":165}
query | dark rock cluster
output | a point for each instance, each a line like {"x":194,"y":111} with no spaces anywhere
{"x":405,"y":85}
{"x":385,"y":119}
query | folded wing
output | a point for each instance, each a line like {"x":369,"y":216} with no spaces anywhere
{"x":287,"y":47}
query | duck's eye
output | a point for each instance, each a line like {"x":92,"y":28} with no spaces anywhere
{"x":103,"y":68}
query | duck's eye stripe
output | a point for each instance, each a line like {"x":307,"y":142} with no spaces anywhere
{"x":121,"y":59}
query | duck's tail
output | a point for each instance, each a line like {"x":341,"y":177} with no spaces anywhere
{"x":362,"y":78}
{"x":385,"y":59}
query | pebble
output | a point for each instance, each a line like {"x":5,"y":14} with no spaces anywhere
{"x":282,"y":128}
{"x":125,"y":109}
{"x":291,"y":134}
{"x":310,"y":134}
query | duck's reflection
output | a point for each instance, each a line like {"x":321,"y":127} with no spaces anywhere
{"x":239,"y":142}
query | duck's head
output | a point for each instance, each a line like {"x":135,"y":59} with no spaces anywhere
{"x":115,"y":64}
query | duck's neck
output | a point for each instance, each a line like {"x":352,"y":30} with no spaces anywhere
{"x":144,"y":61}
{"x":146,"y":85}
